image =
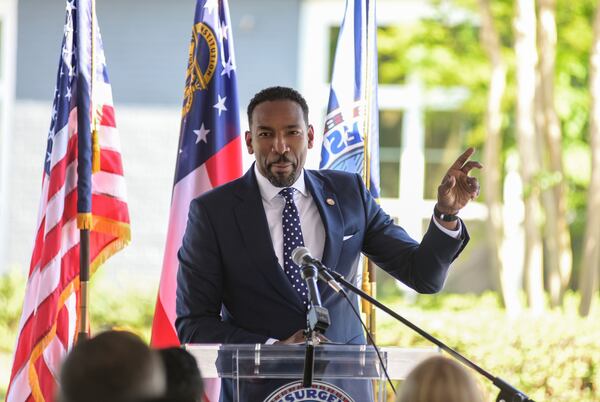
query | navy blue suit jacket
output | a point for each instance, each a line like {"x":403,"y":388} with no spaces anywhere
{"x":231,"y":289}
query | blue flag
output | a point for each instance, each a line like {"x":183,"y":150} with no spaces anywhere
{"x":352,"y":123}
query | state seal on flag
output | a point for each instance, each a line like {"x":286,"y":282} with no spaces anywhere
{"x":319,"y":392}
{"x":202,"y":63}
{"x":343,"y":142}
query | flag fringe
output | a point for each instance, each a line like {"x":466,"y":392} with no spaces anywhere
{"x":109,"y":226}
{"x":38,"y":350}
{"x":110,"y":249}
{"x":104,"y":225}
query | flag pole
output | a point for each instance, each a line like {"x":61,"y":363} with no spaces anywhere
{"x":84,"y":256}
{"x":369,"y":283}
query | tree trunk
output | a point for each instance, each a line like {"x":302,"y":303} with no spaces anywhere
{"x":590,"y":260}
{"x":526,"y":58}
{"x":491,"y":159}
{"x":558,"y":238}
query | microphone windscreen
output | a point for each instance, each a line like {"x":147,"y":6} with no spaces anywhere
{"x":298,"y":255}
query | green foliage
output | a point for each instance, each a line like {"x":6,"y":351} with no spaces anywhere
{"x":121,"y":308}
{"x":553,"y":357}
{"x":12,"y":291}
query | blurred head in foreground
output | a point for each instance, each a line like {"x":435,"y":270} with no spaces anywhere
{"x":439,"y":379}
{"x":114,"y":366}
{"x":184,"y":381}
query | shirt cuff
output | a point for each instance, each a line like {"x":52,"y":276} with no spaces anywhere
{"x":271,"y":341}
{"x":455,"y":234}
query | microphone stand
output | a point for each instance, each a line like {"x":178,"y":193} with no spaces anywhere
{"x":317,"y":321}
{"x":508,"y":393}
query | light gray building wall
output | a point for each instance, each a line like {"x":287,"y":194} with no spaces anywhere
{"x":146,"y":44}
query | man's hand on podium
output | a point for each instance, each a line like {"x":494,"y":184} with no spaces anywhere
{"x":298,"y":337}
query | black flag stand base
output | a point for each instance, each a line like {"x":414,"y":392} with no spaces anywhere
{"x":508,"y":393}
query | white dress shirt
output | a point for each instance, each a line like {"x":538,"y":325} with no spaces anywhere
{"x":313,"y":230}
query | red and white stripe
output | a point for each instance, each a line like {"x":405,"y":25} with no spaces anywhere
{"x":48,"y":324}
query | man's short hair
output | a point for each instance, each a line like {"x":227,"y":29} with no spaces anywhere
{"x":275,"y":94}
{"x":113,"y":366}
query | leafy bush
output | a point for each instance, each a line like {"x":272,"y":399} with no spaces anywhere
{"x":553,"y":357}
{"x":130,"y":310}
{"x":12,"y":290}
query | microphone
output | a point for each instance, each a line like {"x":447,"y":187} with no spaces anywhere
{"x":301,"y":257}
{"x":317,"y":316}
{"x":309,"y":274}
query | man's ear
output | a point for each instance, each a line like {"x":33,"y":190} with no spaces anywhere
{"x":311,"y":135}
{"x":249,"y":142}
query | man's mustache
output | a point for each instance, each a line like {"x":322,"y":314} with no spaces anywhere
{"x":282,"y":159}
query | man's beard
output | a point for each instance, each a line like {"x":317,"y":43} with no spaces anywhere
{"x":280,"y":181}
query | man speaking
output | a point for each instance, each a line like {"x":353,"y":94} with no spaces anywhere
{"x":237,"y":282}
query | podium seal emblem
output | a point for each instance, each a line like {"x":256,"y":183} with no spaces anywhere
{"x":319,"y":392}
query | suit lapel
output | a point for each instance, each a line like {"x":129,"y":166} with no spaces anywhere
{"x":329,"y":209}
{"x":253,"y":226}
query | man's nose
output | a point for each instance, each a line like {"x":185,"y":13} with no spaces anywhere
{"x":279,"y":144}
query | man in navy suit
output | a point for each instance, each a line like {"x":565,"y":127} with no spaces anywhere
{"x":231,"y":287}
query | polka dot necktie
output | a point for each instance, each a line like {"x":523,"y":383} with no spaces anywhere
{"x":292,"y":238}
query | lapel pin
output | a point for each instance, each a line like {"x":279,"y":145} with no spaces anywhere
{"x":330,"y":201}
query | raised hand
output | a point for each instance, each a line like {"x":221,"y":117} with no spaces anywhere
{"x":458,"y":188}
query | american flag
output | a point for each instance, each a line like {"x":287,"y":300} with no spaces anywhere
{"x":352,"y":122}
{"x":209,"y":151}
{"x":82,"y":187}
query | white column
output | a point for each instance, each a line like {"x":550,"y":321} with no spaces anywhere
{"x":8,"y":35}
{"x":412,"y":159}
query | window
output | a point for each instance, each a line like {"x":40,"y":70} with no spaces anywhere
{"x":334,"y":32}
{"x":391,"y":45}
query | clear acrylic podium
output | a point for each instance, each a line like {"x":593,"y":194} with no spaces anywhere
{"x":285,"y":363}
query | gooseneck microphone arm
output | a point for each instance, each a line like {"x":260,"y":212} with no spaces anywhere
{"x":508,"y":393}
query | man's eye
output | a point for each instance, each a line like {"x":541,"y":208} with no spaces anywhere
{"x":264,"y":134}
{"x":294,"y":132}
